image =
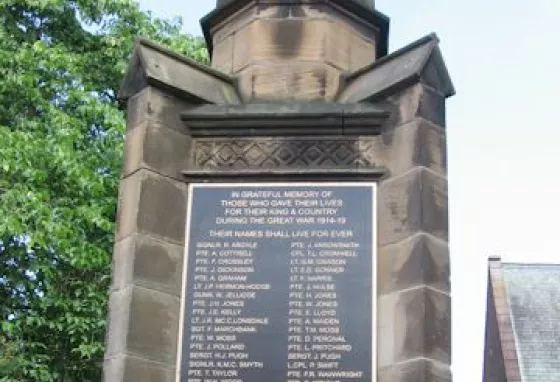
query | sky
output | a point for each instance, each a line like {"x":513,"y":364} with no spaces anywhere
{"x":503,"y":130}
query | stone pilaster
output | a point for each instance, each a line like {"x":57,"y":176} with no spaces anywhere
{"x":414,"y":303}
{"x":144,"y":308}
{"x":147,"y":261}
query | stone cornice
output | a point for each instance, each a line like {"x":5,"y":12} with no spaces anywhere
{"x":278,"y":119}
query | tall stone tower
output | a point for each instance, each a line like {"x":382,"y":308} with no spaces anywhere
{"x":298,"y":92}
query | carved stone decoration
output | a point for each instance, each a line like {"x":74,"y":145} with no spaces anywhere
{"x":277,"y":153}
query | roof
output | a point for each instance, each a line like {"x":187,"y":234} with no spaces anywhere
{"x":532,"y":299}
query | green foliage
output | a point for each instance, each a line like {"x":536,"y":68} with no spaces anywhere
{"x":61,"y":138}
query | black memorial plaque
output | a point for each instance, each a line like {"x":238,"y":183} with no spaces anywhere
{"x":279,"y":283}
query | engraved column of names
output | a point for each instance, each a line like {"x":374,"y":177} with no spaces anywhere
{"x":316,"y":342}
{"x":220,"y":323}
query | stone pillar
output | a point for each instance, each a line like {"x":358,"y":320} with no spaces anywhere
{"x":413,"y":264}
{"x":378,"y":118}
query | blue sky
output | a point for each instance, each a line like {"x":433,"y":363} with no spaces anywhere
{"x":503,"y":137}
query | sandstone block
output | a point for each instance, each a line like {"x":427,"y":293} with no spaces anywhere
{"x":155,"y":105}
{"x":148,"y":262}
{"x":419,"y":260}
{"x":156,"y":147}
{"x":414,"y":323}
{"x":416,"y":143}
{"x":152,"y":204}
{"x":153,"y":327}
{"x":411,"y":203}
{"x":419,"y":101}
{"x":278,"y":82}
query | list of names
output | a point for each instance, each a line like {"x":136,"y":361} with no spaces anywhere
{"x":279,"y":284}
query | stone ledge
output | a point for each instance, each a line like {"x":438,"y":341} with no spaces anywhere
{"x":285,"y":119}
{"x":417,"y":370}
{"x":216,"y":176}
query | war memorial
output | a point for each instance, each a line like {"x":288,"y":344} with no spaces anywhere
{"x":283,"y":213}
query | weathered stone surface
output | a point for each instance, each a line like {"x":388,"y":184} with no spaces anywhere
{"x":416,"y":143}
{"x":133,"y":369}
{"x":222,"y":59}
{"x":148,"y":262}
{"x":300,"y":81}
{"x":289,"y":40}
{"x":435,"y":74}
{"x":154,"y":147}
{"x":418,"y":101}
{"x":411,"y":203}
{"x":293,"y":36}
{"x":419,"y":260}
{"x":419,"y":370}
{"x":153,"y":329}
{"x":319,"y":40}
{"x":347,"y":50}
{"x":414,"y":323}
{"x":117,"y":325}
{"x":153,"y":105}
{"x":373,"y":26}
{"x":432,"y":107}
{"x":152,"y":204}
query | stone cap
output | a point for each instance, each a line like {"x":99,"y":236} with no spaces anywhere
{"x":364,"y":9}
{"x":157,"y":66}
{"x":420,"y":60}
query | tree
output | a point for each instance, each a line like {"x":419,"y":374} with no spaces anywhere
{"x":61,"y":137}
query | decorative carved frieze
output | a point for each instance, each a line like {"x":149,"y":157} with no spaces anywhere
{"x":278,"y":152}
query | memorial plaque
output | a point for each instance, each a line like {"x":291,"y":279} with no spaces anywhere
{"x":279,"y":283}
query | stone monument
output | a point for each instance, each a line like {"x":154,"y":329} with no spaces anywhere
{"x":283,"y":213}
